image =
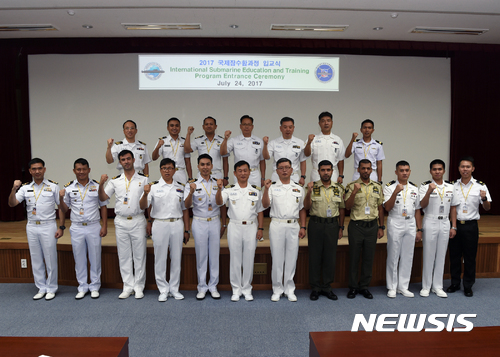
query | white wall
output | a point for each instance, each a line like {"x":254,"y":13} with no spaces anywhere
{"x":78,"y":101}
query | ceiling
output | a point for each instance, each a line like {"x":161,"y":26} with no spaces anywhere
{"x":254,"y":18}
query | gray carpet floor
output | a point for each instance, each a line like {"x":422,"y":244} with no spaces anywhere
{"x":220,"y":327}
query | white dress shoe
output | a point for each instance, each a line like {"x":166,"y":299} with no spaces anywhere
{"x":248,"y":297}
{"x":292,"y":297}
{"x":215,"y":294}
{"x":163,"y":297}
{"x":94,"y":294}
{"x":177,"y":295}
{"x":139,"y":294}
{"x":424,"y":292}
{"x":39,"y":295}
{"x":125,"y":294}
{"x":80,"y":295}
{"x":235,"y":297}
{"x":406,"y":293}
{"x":201,"y":295}
{"x":275,"y":297}
{"x":391,"y":294}
{"x":440,"y":293}
{"x":50,"y":296}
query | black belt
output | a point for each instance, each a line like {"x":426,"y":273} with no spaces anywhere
{"x":317,"y":219}
{"x":468,"y":222}
{"x":366,"y":224}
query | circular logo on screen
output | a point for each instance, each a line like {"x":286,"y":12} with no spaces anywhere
{"x":324,"y":73}
{"x":153,"y":71}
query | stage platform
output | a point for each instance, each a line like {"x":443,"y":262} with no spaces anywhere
{"x":14,"y":247}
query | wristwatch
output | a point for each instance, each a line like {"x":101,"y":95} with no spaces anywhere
{"x":226,"y":177}
{"x":381,"y":227}
{"x":420,"y":230}
{"x":304,"y":228}
{"x":341,"y":176}
{"x":188,"y":232}
{"x":303,"y":176}
{"x":62,"y":227}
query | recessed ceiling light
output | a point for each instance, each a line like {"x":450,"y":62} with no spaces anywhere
{"x":318,"y":28}
{"x":378,"y":28}
{"x":70,"y":12}
{"x":234,"y":26}
{"x":449,"y":31}
{"x":394,"y":15}
{"x":161,"y":26}
{"x":87,"y":26}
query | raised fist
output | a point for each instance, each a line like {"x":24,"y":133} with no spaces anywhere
{"x":227,"y":134}
{"x":161,"y":142}
{"x":357,"y":186}
{"x":104,"y":178}
{"x":62,"y":193}
{"x":310,"y":185}
{"x":147,"y":189}
{"x":267,"y":183}
{"x":190,"y":130}
{"x":432,"y":186}
{"x":399,"y":188}
{"x":311,"y":137}
{"x":17,"y":184}
{"x":192,"y":187}
{"x":354,"y":136}
{"x":110,"y":142}
{"x":265,"y":139}
{"x":220,"y":184}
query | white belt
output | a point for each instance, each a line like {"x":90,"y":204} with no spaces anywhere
{"x":42,"y":222}
{"x":179,"y":168}
{"x":284,"y":220}
{"x":131,"y":217}
{"x":84,"y":223}
{"x":206,"y":219}
{"x":401,"y":217}
{"x":167,"y":219}
{"x":240,"y":222}
{"x":433,"y":216}
{"x":254,"y":168}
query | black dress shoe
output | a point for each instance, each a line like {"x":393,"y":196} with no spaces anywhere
{"x":314,"y":295}
{"x":366,"y":294}
{"x":352,"y":293}
{"x":452,"y":288}
{"x":329,"y":294}
{"x":468,"y":292}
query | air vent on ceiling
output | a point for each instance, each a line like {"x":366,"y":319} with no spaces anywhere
{"x":27,"y":28}
{"x":449,"y":31}
{"x":319,"y":28}
{"x":162,"y":26}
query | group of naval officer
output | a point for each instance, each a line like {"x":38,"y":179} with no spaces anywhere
{"x":451,"y":212}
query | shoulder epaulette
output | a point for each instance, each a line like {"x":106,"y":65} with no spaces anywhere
{"x":381,"y":143}
{"x":140,"y":173}
{"x":480,"y":182}
{"x":69,"y":183}
{"x":192,"y":180}
{"x":256,"y":187}
{"x":446,"y":181}
{"x":340,"y":185}
{"x":116,"y":177}
{"x":180,"y":183}
{"x":94,"y":181}
{"x":411,"y":183}
{"x":298,"y":184}
{"x":55,"y":183}
{"x":220,"y":137}
{"x":357,"y":140}
{"x":141,"y":142}
{"x":118,"y":142}
{"x":391,"y":183}
{"x":274,"y":182}
{"x":425,"y":183}
{"x":154,"y":182}
{"x":213,"y":178}
{"x":162,"y":138}
{"x":229,"y":186}
{"x":199,"y":137}
{"x":26,"y":183}
{"x":183,"y":138}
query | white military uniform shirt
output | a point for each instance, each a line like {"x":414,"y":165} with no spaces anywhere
{"x":128,"y":193}
{"x":83,"y":201}
{"x":469,"y":197}
{"x":326,"y":147}
{"x":407,"y":201}
{"x":174,"y":149}
{"x":248,"y":149}
{"x":139,"y":150}
{"x":166,"y":200}
{"x":373,"y":151}
{"x":286,"y":200}
{"x":204,"y":204}
{"x":40,"y":199}
{"x":244,"y":203}
{"x":212,"y":148}
{"x":292,"y":149}
{"x":440,"y":200}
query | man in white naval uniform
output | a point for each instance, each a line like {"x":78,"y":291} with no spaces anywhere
{"x":210,"y":144}
{"x":206,"y":226}
{"x":138,"y":148}
{"x":402,"y":202}
{"x":41,"y":196}
{"x":290,"y":147}
{"x":244,"y":229}
{"x":471,"y":193}
{"x":81,"y":196}
{"x":366,"y":148}
{"x":286,"y":199}
{"x":172,"y":147}
{"x":439,"y":205}
{"x":326,"y":146}
{"x":130,"y":224}
{"x":247,"y":147}
{"x":166,"y":200}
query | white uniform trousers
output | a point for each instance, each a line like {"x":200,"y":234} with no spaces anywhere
{"x":206,"y":236}
{"x":180,"y":176}
{"x":43,"y":246}
{"x":373,"y":175}
{"x":253,"y":179}
{"x":83,"y":239}
{"x":167,"y":235}
{"x":315,"y":174}
{"x":131,"y":245}
{"x":241,"y":240}
{"x":435,"y":241}
{"x":284,"y":242}
{"x":401,"y":234}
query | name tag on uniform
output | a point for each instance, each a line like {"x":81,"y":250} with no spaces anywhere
{"x":464,"y":209}
{"x":34,"y":211}
{"x":367,"y":210}
{"x":210,"y":206}
{"x":328,"y":212}
{"x":405,"y":212}
{"x":125,"y":201}
{"x":441,"y":209}
{"x":81,"y":211}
